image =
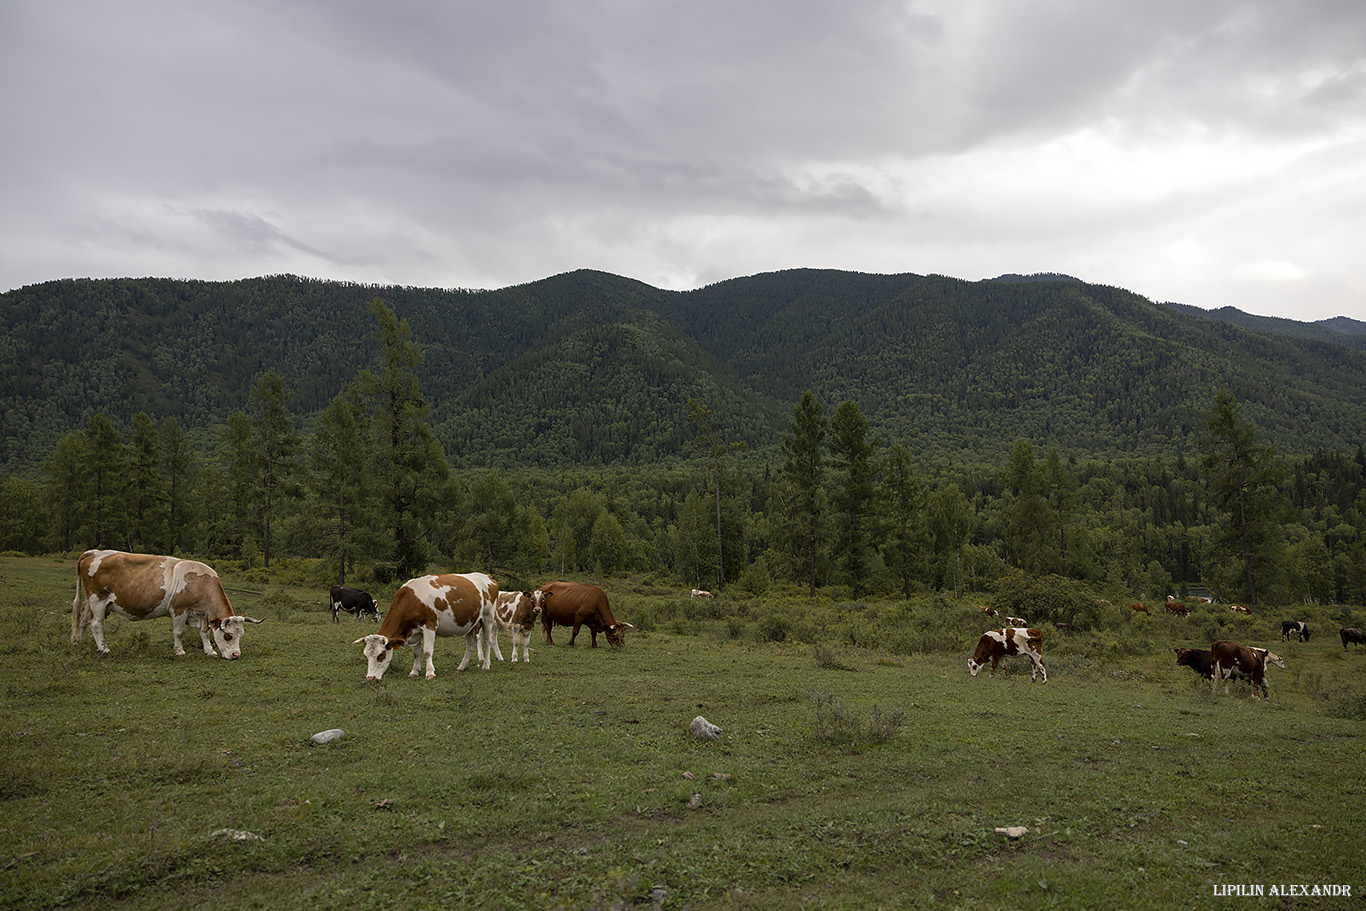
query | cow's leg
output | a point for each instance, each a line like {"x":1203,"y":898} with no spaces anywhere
{"x":96,"y":611}
{"x":206,"y":638}
{"x":491,"y":630}
{"x":335,"y":605}
{"x":575,"y":631}
{"x":521,"y":638}
{"x":178,"y":631}
{"x":1038,"y":668}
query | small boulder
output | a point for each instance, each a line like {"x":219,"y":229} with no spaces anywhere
{"x":703,"y":729}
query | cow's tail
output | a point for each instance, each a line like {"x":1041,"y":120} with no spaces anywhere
{"x":78,"y":610}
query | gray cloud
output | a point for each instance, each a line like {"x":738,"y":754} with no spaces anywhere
{"x":1185,"y":150}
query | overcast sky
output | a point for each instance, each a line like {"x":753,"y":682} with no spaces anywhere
{"x":1200,"y":151}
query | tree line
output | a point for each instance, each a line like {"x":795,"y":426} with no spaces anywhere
{"x":367,"y":493}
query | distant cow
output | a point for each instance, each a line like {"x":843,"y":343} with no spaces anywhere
{"x":1138,"y":607}
{"x":1294,"y":628}
{"x":1238,"y":609}
{"x":1353,"y":635}
{"x":355,"y":602}
{"x":988,"y":611}
{"x":1230,"y":659}
{"x":700,"y":593}
{"x":431,"y":606}
{"x":1176,"y":607}
{"x":143,"y":586}
{"x":515,"y":612}
{"x":576,"y":605}
{"x":1197,"y":659}
{"x":1017,"y":622}
{"x":1004,"y":643}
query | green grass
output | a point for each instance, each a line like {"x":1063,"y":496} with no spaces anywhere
{"x":848,"y":775}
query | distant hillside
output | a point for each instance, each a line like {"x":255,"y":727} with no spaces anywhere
{"x":1339,"y":330}
{"x":592,"y":368}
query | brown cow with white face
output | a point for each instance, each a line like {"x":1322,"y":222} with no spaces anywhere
{"x":576,"y":605}
{"x":515,"y":612}
{"x":143,"y":586}
{"x":1004,"y":643}
{"x":1230,"y":659}
{"x":427,"y":607}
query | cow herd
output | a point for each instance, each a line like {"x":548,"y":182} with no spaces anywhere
{"x":143,"y":586}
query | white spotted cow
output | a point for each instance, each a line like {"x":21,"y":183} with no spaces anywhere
{"x":427,"y":607}
{"x":142,"y":587}
{"x":1230,"y":659}
{"x":1004,"y":643}
{"x":700,"y":593}
{"x":517,"y":613}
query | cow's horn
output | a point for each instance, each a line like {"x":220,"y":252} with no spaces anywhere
{"x":252,"y":619}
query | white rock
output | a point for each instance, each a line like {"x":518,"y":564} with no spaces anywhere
{"x":327,"y":736}
{"x":1012,"y":831}
{"x":704,"y":729}
{"x":235,"y":835}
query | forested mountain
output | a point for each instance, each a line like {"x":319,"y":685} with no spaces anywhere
{"x":1339,"y":330}
{"x":590,"y":368}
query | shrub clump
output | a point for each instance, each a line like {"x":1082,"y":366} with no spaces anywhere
{"x":1051,"y":599}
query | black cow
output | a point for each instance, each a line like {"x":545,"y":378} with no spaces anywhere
{"x":1294,"y":628}
{"x":1352,"y":634}
{"x":1197,"y":659}
{"x":354,"y":602}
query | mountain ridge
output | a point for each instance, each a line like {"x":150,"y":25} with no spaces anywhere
{"x":587,"y":367}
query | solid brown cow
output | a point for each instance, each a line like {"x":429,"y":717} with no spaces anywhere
{"x":431,"y":606}
{"x":1197,"y":659}
{"x":1176,"y":607}
{"x":1230,"y":658}
{"x":1353,"y":635}
{"x":1004,"y":643}
{"x":576,"y":605}
{"x":1138,"y":607}
{"x":143,"y":586}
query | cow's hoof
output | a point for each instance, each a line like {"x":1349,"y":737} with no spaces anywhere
{"x":431,"y":676}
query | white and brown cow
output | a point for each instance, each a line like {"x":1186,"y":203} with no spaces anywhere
{"x":517,"y":613}
{"x":430,"y":606}
{"x":143,"y":586}
{"x":1004,"y":643}
{"x":700,"y":593}
{"x":1230,"y":659}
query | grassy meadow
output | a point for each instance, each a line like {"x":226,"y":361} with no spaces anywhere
{"x":860,"y":765}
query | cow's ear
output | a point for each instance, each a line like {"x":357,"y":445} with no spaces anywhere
{"x":216,"y":623}
{"x":395,"y":643}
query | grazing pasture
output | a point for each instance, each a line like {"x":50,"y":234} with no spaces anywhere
{"x":854,"y":771}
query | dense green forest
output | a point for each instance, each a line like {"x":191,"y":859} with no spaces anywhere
{"x":857,"y":433}
{"x":588,"y":368}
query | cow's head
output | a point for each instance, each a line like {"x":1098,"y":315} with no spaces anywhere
{"x":378,"y":652}
{"x":527,"y":610}
{"x":974,"y":666}
{"x":1273,"y":658}
{"x":616,"y":634}
{"x":227,"y":634}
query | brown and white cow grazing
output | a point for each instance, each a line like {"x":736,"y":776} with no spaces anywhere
{"x":431,"y":606}
{"x":1004,"y":643}
{"x":1353,"y":635}
{"x":1139,"y":607}
{"x":515,"y":612}
{"x":1197,"y":659}
{"x":576,"y":605}
{"x":1230,"y":658}
{"x":143,"y":586}
{"x":1238,"y":609}
{"x":700,"y":593}
{"x":1176,"y":607}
